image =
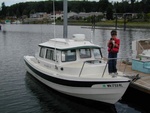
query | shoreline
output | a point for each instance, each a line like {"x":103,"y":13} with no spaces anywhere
{"x":119,"y":25}
{"x":99,"y":25}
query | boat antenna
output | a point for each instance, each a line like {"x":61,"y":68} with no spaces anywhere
{"x":41,"y":34}
{"x":92,"y":33}
{"x":65,"y":8}
{"x":54,"y":16}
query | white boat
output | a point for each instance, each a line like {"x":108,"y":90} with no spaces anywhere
{"x":53,"y":23}
{"x":7,"y":21}
{"x":141,"y":55}
{"x":17,"y":22}
{"x":141,"y":48}
{"x":76,"y":67}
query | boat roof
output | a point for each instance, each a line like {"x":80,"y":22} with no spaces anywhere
{"x":142,"y":39}
{"x":65,"y":44}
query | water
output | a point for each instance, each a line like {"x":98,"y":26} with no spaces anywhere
{"x":21,"y":93}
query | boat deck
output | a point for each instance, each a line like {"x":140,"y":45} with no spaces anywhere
{"x":142,"y":84}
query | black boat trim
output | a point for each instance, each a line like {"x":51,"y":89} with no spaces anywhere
{"x":70,"y":83}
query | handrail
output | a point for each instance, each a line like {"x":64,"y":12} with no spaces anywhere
{"x":84,"y":64}
{"x":105,"y":68}
{"x":105,"y":65}
{"x":81,"y":68}
{"x":127,"y":59}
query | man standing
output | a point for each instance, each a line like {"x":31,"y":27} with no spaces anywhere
{"x":113,"y":49}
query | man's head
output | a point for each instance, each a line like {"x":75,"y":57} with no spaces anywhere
{"x":113,"y":32}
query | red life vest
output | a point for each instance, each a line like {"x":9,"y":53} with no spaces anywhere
{"x":114,"y":49}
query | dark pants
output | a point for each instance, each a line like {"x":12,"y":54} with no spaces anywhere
{"x":112,"y":63}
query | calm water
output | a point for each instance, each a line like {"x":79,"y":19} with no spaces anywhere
{"x":21,"y":93}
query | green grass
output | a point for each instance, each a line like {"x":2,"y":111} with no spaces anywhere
{"x":132,"y":24}
{"x":111,"y":23}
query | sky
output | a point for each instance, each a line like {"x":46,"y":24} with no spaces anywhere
{"x":11,"y":2}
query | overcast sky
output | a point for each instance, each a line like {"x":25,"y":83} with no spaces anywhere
{"x":10,"y":2}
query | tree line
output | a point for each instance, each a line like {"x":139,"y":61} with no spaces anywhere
{"x":126,"y":6}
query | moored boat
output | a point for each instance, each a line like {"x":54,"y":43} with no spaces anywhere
{"x":76,"y":67}
{"x":141,"y":55}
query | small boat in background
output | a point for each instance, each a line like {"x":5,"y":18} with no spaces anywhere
{"x":141,"y":55}
{"x":7,"y":21}
{"x":53,"y":23}
{"x":17,"y":22}
{"x":141,"y":48}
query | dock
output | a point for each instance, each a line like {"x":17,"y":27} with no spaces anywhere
{"x":142,"y":84}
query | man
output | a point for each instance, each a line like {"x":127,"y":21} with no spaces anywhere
{"x":113,"y":49}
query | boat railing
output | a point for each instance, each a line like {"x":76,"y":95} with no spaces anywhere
{"x":88,"y":61}
{"x":119,"y":61}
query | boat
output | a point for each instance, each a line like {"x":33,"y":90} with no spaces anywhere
{"x":17,"y":22}
{"x":76,"y":67}
{"x":141,"y":48}
{"x":7,"y":21}
{"x":141,"y":55}
{"x":53,"y":23}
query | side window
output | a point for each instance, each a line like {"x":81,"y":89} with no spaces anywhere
{"x":42,"y":52}
{"x":68,"y":55}
{"x":97,"y":53}
{"x":50,"y":54}
{"x":85,"y":53}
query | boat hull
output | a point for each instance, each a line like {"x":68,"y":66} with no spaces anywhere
{"x":98,"y":90}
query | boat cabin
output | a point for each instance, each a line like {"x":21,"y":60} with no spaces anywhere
{"x":63,"y":50}
{"x":141,"y":48}
{"x":69,"y":56}
{"x":141,"y":55}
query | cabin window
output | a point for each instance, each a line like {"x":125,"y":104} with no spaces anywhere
{"x":50,"y":54}
{"x":42,"y":52}
{"x":97,"y":53}
{"x":85,"y":53}
{"x":68,"y":55}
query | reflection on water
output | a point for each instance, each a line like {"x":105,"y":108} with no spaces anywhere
{"x":134,"y":97}
{"x":56,"y":102}
{"x":20,"y":93}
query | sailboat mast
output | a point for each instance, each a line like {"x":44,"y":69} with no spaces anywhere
{"x":65,"y":8}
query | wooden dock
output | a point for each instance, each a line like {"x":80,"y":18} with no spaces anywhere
{"x":142,"y":84}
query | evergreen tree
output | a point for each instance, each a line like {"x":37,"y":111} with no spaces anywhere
{"x":4,"y":10}
{"x":109,"y":13}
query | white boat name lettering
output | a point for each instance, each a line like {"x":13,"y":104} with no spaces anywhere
{"x":112,"y":85}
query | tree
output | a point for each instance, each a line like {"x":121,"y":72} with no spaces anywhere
{"x":132,"y":5}
{"x":109,"y":14}
{"x":103,"y":5}
{"x":126,"y":6}
{"x":4,"y":10}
